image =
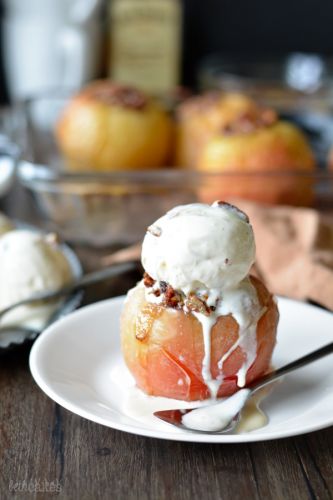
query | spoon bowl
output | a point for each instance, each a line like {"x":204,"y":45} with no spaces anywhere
{"x":18,"y":334}
{"x":175,"y":417}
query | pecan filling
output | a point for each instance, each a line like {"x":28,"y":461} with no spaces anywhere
{"x":250,"y":122}
{"x":119,"y":95}
{"x":148,"y":281}
{"x":171,"y":298}
{"x":175,"y":299}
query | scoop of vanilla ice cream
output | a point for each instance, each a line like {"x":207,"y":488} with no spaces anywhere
{"x":198,"y":246}
{"x":30,"y":263}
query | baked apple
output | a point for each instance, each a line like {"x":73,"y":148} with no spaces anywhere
{"x":274,"y":165}
{"x":197,"y":326}
{"x":108,"y":127}
{"x":201,"y":117}
{"x":264,"y":158}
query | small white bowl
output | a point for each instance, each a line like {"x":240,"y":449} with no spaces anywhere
{"x":9,"y":153}
{"x":62,"y":308}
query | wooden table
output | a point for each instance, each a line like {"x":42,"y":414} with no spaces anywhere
{"x":47,"y":451}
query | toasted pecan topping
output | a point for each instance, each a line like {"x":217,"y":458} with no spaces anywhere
{"x":193,"y":303}
{"x":249,"y":122}
{"x":119,"y":95}
{"x":172,"y":298}
{"x":197,"y":104}
{"x":176,"y":300}
{"x":148,"y":281}
{"x":232,"y":121}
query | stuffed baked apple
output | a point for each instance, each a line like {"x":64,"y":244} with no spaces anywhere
{"x":198,"y":326}
{"x":107,"y":127}
{"x":230,"y":134}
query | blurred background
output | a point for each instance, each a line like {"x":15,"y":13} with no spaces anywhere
{"x":100,"y":161}
{"x":112,"y":112}
{"x":225,"y":27}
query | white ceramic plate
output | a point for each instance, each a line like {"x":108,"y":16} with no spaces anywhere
{"x":77,"y":362}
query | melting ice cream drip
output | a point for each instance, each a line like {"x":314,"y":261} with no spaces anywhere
{"x":207,"y":323}
{"x":243,"y":304}
{"x":247,"y":341}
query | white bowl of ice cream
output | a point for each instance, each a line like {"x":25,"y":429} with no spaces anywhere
{"x":32,"y":262}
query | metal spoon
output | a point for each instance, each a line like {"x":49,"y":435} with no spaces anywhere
{"x":83,"y":282}
{"x":228,"y":410}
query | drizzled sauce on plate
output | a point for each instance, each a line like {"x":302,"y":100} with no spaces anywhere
{"x":141,"y":407}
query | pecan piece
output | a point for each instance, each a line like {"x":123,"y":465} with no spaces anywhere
{"x":250,"y":121}
{"x":116,"y":94}
{"x":193,"y":303}
{"x":148,"y":281}
{"x":172,"y":298}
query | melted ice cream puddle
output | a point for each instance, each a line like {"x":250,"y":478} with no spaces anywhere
{"x":252,"y":416}
{"x":140,"y":407}
{"x":216,"y":417}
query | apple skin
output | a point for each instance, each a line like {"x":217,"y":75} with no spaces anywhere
{"x":204,"y":116}
{"x":163,"y":348}
{"x":252,"y":153}
{"x":272,"y":165}
{"x":97,"y":135}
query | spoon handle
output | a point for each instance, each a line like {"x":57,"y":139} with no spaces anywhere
{"x":84,"y":281}
{"x":298,"y":363}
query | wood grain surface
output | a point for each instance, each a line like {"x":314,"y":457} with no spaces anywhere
{"x":46,"y":451}
{"x":45,"y":446}
{"x":42,"y":444}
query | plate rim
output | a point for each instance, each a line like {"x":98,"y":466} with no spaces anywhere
{"x":147,"y":432}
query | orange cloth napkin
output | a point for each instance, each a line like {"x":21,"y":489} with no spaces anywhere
{"x":294,"y":251}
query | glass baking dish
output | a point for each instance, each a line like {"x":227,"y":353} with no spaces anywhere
{"x":102,"y":209}
{"x":116,"y":208}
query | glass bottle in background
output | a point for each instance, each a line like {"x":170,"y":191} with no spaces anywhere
{"x":145,"y":38}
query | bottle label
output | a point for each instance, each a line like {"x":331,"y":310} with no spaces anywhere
{"x":145,"y":43}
